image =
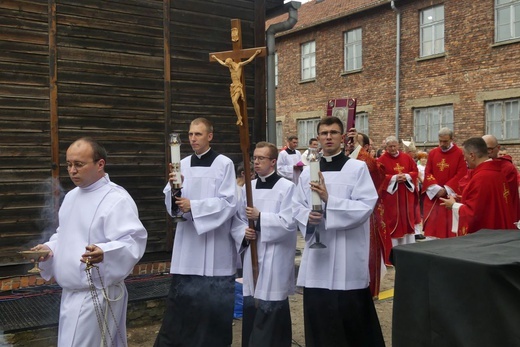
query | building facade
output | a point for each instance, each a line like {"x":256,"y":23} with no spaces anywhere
{"x":414,"y":66}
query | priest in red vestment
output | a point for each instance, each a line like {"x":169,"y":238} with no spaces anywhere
{"x":486,"y":199}
{"x":444,"y":169}
{"x":379,"y":239}
{"x":509,"y":170}
{"x":398,"y":194}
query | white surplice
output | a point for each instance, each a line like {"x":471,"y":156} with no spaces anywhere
{"x":203,"y":243}
{"x":276,"y":243}
{"x":285,"y":163}
{"x":103,"y":214}
{"x":345,"y":228}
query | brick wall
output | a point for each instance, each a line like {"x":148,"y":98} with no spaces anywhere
{"x":473,"y":69}
{"x":18,"y":282}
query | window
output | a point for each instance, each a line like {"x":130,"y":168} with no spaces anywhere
{"x":361,"y":123}
{"x":353,"y":50}
{"x":279,"y":135}
{"x":503,"y":119}
{"x":507,"y":20}
{"x":276,"y":69}
{"x":309,"y":60}
{"x":307,"y":129}
{"x":432,"y":31}
{"x":429,"y":120}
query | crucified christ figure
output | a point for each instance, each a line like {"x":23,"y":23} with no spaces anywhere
{"x":236,"y":89}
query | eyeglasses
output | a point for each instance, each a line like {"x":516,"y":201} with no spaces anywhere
{"x":79,"y":164}
{"x":331,"y":133}
{"x":260,"y":158}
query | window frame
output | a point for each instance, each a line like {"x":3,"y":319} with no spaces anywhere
{"x":308,"y":58}
{"x":311,"y":125}
{"x":426,"y":124}
{"x":508,"y":126}
{"x":355,"y":45}
{"x":513,"y":23}
{"x":435,"y":26}
{"x":366,"y":127}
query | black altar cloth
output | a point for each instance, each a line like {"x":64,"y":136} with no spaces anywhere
{"x":459,"y":292}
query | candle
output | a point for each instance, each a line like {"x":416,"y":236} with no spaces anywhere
{"x":314,"y":165}
{"x":175,"y":151}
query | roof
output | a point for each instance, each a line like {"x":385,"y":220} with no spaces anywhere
{"x":316,"y":12}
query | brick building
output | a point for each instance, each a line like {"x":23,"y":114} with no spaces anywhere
{"x":454,"y":63}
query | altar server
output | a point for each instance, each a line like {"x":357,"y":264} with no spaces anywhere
{"x":337,"y":304}
{"x":267,"y":317}
{"x":98,"y":224}
{"x":200,"y":302}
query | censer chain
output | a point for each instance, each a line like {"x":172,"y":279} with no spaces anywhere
{"x":102,"y":323}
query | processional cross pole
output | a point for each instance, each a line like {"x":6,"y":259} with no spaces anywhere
{"x":233,"y":60}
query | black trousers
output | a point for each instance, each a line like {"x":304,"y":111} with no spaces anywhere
{"x":337,"y":318}
{"x":266,"y":323}
{"x":199,"y":312}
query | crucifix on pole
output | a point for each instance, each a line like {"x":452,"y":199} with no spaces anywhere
{"x":233,"y":60}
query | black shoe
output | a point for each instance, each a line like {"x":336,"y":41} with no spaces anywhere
{"x":419,"y":237}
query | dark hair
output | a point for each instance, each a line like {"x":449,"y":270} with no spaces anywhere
{"x":273,"y":151}
{"x":98,"y":151}
{"x":476,"y":145}
{"x":292,"y":137}
{"x":312,"y":140}
{"x":239,"y":169}
{"x":330,"y":121}
{"x":379,"y":152}
{"x":366,"y":139}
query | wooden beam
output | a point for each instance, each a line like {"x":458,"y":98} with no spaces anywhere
{"x":167,"y":105}
{"x":53,"y":109}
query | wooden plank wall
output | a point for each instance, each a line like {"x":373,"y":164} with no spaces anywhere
{"x":199,"y":27}
{"x":25,"y":148}
{"x":109,"y":59}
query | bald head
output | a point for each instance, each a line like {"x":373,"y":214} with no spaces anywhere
{"x":492,"y":145}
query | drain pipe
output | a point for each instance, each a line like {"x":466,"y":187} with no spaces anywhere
{"x":397,"y":67}
{"x":292,"y":7}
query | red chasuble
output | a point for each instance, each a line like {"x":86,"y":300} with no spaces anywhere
{"x":511,"y":175}
{"x":486,"y":200}
{"x":443,"y":169}
{"x":379,"y":240}
{"x":399,"y":207}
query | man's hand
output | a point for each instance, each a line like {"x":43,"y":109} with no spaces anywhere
{"x":314,"y":218}
{"x":183,"y":203}
{"x":93,"y":254}
{"x":401,"y":178}
{"x":352,"y":134}
{"x":320,"y":188}
{"x":250,"y":234}
{"x":441,"y":193}
{"x":41,"y":247}
{"x":173,"y":175}
{"x":448,"y":203}
{"x":252,"y":213}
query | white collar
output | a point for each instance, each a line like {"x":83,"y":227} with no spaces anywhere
{"x":200,"y":155}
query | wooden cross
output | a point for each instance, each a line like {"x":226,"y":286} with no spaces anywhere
{"x":233,"y":60}
{"x":442,"y":165}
